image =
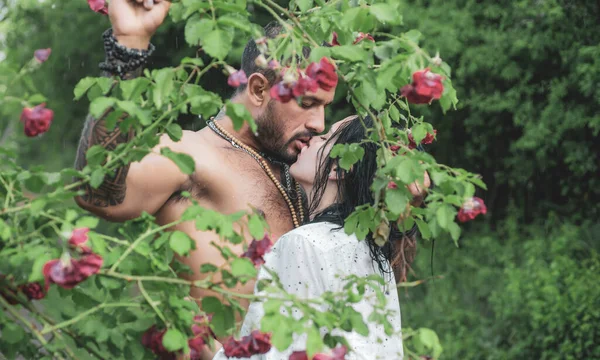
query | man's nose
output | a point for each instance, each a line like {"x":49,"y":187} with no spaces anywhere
{"x":316,"y":122}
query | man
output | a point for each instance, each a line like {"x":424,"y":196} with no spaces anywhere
{"x":227,"y":178}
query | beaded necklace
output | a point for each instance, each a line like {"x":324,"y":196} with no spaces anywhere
{"x":260,"y":158}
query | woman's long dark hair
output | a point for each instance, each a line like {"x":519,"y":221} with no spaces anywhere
{"x":354,"y":189}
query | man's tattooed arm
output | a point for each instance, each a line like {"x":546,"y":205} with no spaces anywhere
{"x":112,"y":191}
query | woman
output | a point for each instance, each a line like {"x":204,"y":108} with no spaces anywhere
{"x":315,"y":257}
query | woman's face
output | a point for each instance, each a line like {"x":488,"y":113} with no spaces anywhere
{"x":312,"y":156}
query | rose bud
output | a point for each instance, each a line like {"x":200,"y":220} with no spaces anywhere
{"x":152,"y":339}
{"x":303,"y":85}
{"x":274,"y":64}
{"x":324,"y":74}
{"x":428,"y":139}
{"x":426,"y":87}
{"x":257,"y":250}
{"x":236,"y":78}
{"x":78,"y":239}
{"x":98,"y":6}
{"x":67,"y":273}
{"x":41,"y":55}
{"x":471,"y":208}
{"x":334,"y":40}
{"x":361,"y":37}
{"x":33,"y":291}
{"x":261,"y":61}
{"x":392,"y":185}
{"x":437,"y":60}
{"x":36,"y":120}
{"x":281,"y":92}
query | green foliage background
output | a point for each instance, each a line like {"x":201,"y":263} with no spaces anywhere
{"x":523,"y":283}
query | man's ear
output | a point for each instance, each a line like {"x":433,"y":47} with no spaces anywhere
{"x":257,"y":89}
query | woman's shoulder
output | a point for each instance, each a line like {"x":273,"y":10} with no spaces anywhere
{"x":324,"y":236}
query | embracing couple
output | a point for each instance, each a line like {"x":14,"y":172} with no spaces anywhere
{"x":238,"y":170}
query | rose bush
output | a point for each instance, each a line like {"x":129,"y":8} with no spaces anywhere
{"x":118,"y":295}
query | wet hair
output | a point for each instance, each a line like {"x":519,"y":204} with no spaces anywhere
{"x":251,"y":52}
{"x":354,"y":189}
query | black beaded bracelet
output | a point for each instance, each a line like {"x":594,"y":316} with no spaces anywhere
{"x":120,"y":59}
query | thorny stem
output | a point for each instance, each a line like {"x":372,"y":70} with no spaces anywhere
{"x":28,"y":324}
{"x":151,"y":303}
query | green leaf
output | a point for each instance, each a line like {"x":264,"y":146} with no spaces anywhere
{"x":180,"y":242}
{"x":100,"y":105}
{"x":386,"y":13}
{"x":196,"y":28}
{"x":255,"y":226}
{"x":97,"y":178}
{"x":235,"y":21}
{"x":314,"y":342}
{"x":358,"y":324}
{"x":13,"y":333}
{"x":174,"y":340}
{"x":243,"y":267}
{"x":396,"y":200}
{"x":105,"y":84}
{"x":38,"y":265}
{"x":208,"y":268}
{"x":134,"y":88}
{"x":193,"y":61}
{"x":217,"y":43}
{"x":304,"y":5}
{"x":83,"y":86}
{"x":211,"y":305}
{"x":454,"y":232}
{"x":419,"y":132}
{"x":175,"y":132}
{"x":444,"y":215}
{"x":95,"y":155}
{"x":349,"y":53}
{"x":238,"y":114}
{"x":423,"y":228}
{"x":185,"y":162}
{"x":164,"y":86}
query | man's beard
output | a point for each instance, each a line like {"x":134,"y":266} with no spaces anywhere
{"x":271,"y":135}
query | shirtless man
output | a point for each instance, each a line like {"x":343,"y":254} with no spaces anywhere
{"x":226,"y":179}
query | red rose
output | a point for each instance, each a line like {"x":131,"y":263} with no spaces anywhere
{"x":68,"y":273}
{"x":37,"y":120}
{"x":257,"y":250}
{"x":298,"y":355}
{"x":392,"y":185}
{"x":471,"y":208}
{"x":234,"y":348}
{"x":362,"y":36}
{"x":426,"y":87}
{"x":339,"y":353}
{"x":237,"y":78}
{"x":196,"y":345}
{"x":33,"y":291}
{"x":152,"y":339}
{"x":334,"y":40}
{"x":41,"y":55}
{"x":98,"y":6}
{"x":303,"y":85}
{"x":324,"y":73}
{"x":255,"y":343}
{"x":427,"y":140}
{"x":78,"y":240}
{"x":282,"y":92}
{"x":201,"y":327}
{"x":274,"y":64}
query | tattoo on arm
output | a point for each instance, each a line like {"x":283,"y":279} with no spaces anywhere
{"x":112,"y":191}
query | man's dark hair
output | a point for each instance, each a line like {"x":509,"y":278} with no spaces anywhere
{"x":251,"y":52}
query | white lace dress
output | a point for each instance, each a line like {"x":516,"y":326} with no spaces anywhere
{"x":307,"y":260}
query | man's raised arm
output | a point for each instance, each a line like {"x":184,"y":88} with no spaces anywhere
{"x":142,"y":186}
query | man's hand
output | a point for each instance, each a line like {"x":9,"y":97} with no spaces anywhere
{"x":135,"y":21}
